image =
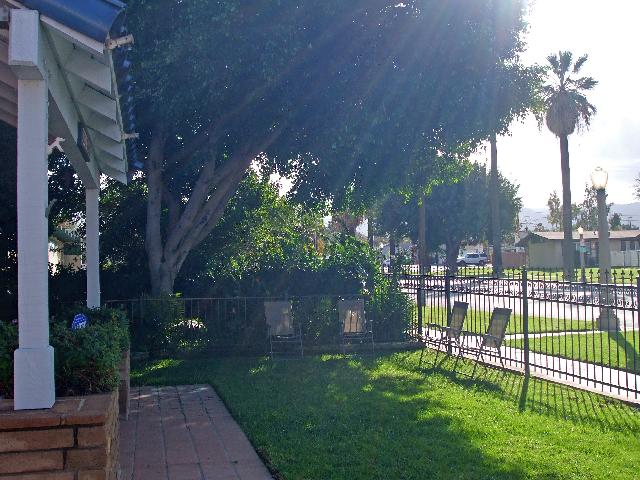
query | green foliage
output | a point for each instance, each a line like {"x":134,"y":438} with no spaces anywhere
{"x":391,"y":310}
{"x":348,"y":267}
{"x":364,"y":112}
{"x":162,"y":319}
{"x":587,"y":217}
{"x":99,"y":316}
{"x":615,"y":222}
{"x":260,"y":235}
{"x":8,"y":224}
{"x":459,"y":212}
{"x":8,"y":344}
{"x":583,"y":215}
{"x":566,"y":104}
{"x":86,"y":360}
{"x":555,"y":211}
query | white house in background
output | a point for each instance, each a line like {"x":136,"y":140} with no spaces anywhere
{"x":60,"y":66}
{"x":544,"y":249}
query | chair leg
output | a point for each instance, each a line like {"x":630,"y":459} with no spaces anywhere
{"x":478,"y":357}
{"x":435,"y":361}
{"x":455,"y":364}
{"x":439,"y":344}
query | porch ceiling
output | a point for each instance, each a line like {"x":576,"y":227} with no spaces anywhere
{"x":84,"y":94}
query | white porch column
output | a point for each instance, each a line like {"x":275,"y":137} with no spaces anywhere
{"x":33,"y":361}
{"x":92,"y":196}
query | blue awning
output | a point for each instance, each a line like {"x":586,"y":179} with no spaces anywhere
{"x":99,"y":20}
{"x":93,"y":18}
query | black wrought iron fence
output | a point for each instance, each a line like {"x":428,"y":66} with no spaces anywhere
{"x":233,"y":325}
{"x":585,"y":332}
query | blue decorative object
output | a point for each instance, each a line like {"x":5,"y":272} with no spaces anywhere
{"x":79,"y":321}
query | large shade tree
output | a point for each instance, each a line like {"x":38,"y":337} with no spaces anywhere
{"x":468,"y":217}
{"x":337,"y":95}
{"x":567,"y":109}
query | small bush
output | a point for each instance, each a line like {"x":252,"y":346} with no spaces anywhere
{"x":163,"y":322}
{"x":391,"y":310}
{"x":86,"y":360}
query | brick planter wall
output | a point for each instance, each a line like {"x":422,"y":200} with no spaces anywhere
{"x":77,"y":439}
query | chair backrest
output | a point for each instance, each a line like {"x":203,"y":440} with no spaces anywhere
{"x":458,"y":314}
{"x":497,"y":327}
{"x":351,"y":313}
{"x":279,"y":318}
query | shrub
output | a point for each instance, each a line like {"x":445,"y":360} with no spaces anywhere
{"x":391,"y":310}
{"x":86,"y":360}
{"x":100,"y":316}
{"x":8,"y":344}
{"x":162,"y":323}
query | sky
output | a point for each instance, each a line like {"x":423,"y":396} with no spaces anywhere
{"x":608,"y":33}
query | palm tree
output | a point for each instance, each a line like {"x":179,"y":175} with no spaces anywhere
{"x":567,"y":108}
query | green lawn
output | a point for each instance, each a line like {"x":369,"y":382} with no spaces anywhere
{"x":477,"y":321}
{"x":341,"y":418}
{"x":616,"y":349}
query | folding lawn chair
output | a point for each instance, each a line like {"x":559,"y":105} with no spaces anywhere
{"x":354,"y":326}
{"x":283,"y":334}
{"x":451,"y":334}
{"x":494,"y":338}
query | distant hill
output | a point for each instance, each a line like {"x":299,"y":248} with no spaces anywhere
{"x":630,"y":212}
{"x":530,"y":217}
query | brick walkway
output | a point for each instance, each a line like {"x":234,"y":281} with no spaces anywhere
{"x":185,"y":433}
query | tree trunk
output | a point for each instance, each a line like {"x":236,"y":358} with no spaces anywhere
{"x":567,"y":217}
{"x":494,"y":200}
{"x":452,"y":249}
{"x":422,"y":233}
{"x":162,"y":280}
{"x":370,"y":230}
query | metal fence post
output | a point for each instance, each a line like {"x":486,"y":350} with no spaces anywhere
{"x":525,"y":321}
{"x":638,"y":299}
{"x":420,"y":308}
{"x":447,"y":296}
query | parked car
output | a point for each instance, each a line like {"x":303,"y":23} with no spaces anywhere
{"x":479,"y":259}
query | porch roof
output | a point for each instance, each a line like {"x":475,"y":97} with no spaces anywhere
{"x":88,"y":80}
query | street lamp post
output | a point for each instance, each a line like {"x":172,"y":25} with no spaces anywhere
{"x":607,"y":319}
{"x":582,"y":249}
